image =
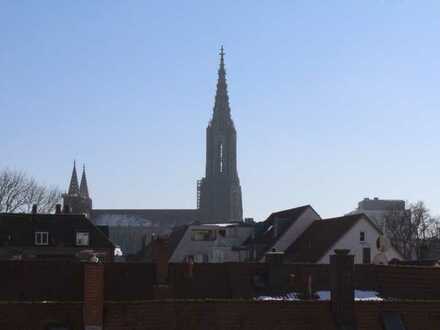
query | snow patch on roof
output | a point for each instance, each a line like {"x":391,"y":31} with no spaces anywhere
{"x":359,"y":295}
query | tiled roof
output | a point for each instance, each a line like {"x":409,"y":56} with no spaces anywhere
{"x":320,"y":237}
{"x":19,"y":229}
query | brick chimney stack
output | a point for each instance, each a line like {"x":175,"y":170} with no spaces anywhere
{"x":66,"y":209}
{"x":93,"y":296}
{"x":342,"y":288}
{"x":160,"y":259}
{"x":162,"y":289}
{"x":277,"y":274}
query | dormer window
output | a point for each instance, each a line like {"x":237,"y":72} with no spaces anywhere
{"x":41,"y":238}
{"x":82,"y":239}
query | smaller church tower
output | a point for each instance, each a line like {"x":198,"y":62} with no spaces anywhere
{"x":77,"y":199}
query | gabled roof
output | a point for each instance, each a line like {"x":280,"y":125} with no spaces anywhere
{"x":19,"y":229}
{"x":267,"y":233}
{"x":321,"y":236}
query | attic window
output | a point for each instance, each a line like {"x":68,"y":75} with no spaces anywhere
{"x":203,"y":235}
{"x":362,"y":236}
{"x":82,"y":239}
{"x":41,"y":238}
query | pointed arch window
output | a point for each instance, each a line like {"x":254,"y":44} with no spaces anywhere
{"x":220,"y":157}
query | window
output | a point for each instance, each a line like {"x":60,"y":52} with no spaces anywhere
{"x":41,"y":238}
{"x":201,"y":258}
{"x":82,"y":239}
{"x":203,"y":235}
{"x":362,"y":236}
{"x":366,"y":256}
{"x":220,"y":154}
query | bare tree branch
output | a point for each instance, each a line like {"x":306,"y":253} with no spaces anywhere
{"x":412,"y":230}
{"x":18,"y":192}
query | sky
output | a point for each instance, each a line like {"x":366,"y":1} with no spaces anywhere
{"x":333,"y":101}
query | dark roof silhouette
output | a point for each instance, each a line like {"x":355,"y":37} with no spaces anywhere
{"x":265,"y":231}
{"x":19,"y":229}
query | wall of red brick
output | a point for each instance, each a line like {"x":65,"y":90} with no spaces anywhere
{"x":190,"y":315}
{"x":129,"y":281}
{"x":416,"y":315}
{"x":41,"y":280}
{"x":36,"y":316}
{"x":46,"y":280}
{"x":421,"y":315}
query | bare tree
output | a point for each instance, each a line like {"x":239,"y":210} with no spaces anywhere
{"x":18,"y":192}
{"x":412,"y":230}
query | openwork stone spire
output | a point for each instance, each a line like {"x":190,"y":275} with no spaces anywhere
{"x":74,"y":187}
{"x":219,"y":192}
{"x":221,"y":106}
{"x":83,"y":188}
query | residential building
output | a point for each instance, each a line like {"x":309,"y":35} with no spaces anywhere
{"x":209,"y":243}
{"x":356,"y":233}
{"x":52,"y":236}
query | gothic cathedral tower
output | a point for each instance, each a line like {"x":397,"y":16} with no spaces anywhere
{"x":219,"y":192}
{"x":77,"y":199}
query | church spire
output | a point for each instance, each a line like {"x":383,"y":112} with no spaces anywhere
{"x":83,"y":188}
{"x":73,"y":187}
{"x":221,"y":107}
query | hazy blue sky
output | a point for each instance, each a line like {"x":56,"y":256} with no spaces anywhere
{"x":333,"y":101}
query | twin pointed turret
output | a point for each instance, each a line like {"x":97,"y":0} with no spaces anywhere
{"x":75,"y":189}
{"x":77,"y":199}
{"x":83,"y":188}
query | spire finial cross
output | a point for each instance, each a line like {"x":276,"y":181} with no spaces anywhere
{"x":222,"y":51}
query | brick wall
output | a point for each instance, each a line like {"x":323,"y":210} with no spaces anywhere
{"x":420,"y":315}
{"x":46,"y":280}
{"x":219,"y":315}
{"x":190,"y":315}
{"x":36,"y":316}
{"x":41,"y":280}
{"x":129,"y":281}
{"x":416,"y":315}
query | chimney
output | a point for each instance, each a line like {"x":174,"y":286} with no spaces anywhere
{"x":93,"y":296}
{"x":66,"y":208}
{"x":58,"y":209}
{"x":160,"y":259}
{"x":34,"y":209}
{"x":342,"y":288}
{"x":162,"y":289}
{"x":277,"y":275}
